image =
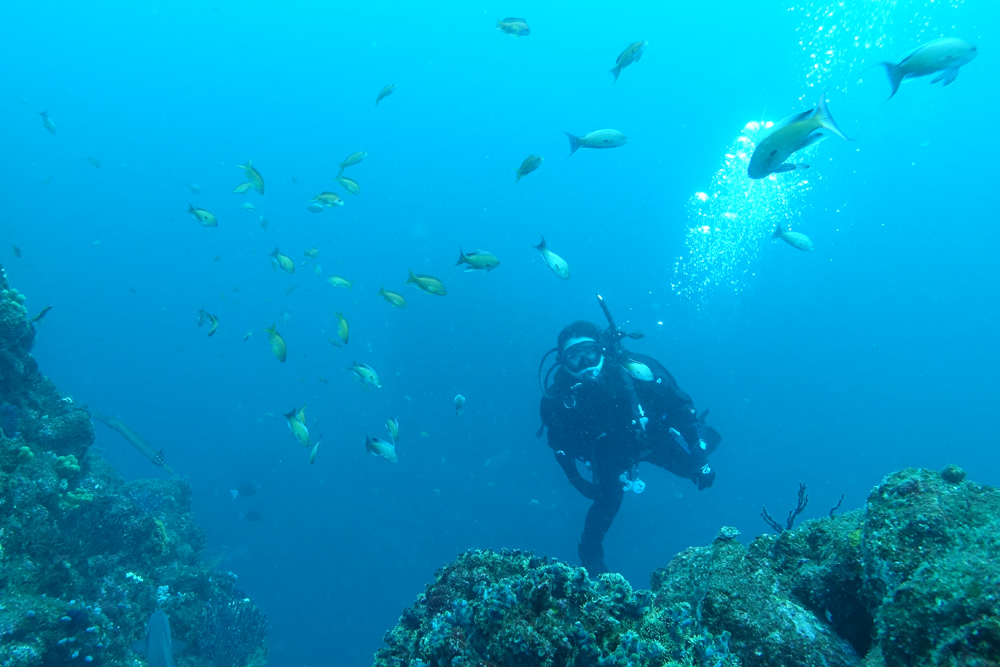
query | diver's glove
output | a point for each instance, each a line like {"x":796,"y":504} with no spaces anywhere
{"x":705,"y":477}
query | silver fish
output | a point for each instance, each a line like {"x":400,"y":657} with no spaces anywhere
{"x":943,"y":55}
{"x":597,"y":139}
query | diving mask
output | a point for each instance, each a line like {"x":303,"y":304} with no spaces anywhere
{"x":583,"y":355}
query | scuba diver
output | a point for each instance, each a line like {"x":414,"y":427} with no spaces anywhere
{"x":610,"y":409}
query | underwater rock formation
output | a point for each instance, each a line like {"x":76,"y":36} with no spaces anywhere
{"x":912,"y":578}
{"x":85,"y":559}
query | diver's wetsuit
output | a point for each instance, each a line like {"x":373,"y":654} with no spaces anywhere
{"x":592,"y":421}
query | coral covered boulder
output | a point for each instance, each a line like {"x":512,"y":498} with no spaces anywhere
{"x":910,"y":579}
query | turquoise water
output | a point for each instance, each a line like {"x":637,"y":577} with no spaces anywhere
{"x":873,"y":352}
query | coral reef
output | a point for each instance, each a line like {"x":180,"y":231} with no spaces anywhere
{"x":912,"y":578}
{"x":85,"y":558}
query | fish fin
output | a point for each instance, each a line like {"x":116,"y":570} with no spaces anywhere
{"x":813,"y":138}
{"x":234,"y":492}
{"x":519,"y":174}
{"x":825,"y":120}
{"x":778,"y":232}
{"x":788,"y":120}
{"x":412,"y":278}
{"x":471,"y":268}
{"x":511,"y":19}
{"x":140,"y":646}
{"x":574,"y":143}
{"x":177,"y":646}
{"x":541,"y":246}
{"x":461,"y":257}
{"x":896,"y":76}
{"x":617,"y":70}
{"x":275,"y":253}
{"x":785,"y":167}
{"x":190,"y":208}
{"x":947,"y":76}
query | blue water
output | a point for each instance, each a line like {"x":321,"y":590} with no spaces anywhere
{"x":874,"y":352}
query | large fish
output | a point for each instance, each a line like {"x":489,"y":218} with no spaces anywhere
{"x":156,"y":457}
{"x":795,"y":239}
{"x":790,"y":135}
{"x":158,"y":646}
{"x":597,"y":139}
{"x":530,"y":164}
{"x":630,"y":55}
{"x":944,"y":55}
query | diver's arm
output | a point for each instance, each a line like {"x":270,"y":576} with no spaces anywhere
{"x":568,"y":464}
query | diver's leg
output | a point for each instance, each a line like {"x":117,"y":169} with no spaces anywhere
{"x":596,"y":526}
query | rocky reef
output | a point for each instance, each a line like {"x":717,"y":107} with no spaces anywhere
{"x":85,"y":558}
{"x":912,"y":578}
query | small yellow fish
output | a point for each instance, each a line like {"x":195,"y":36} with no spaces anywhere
{"x":478,"y":259}
{"x":322,"y":378}
{"x":311,"y":253}
{"x":328,"y":199}
{"x":514,"y":27}
{"x":638,"y":370}
{"x":352,"y":160}
{"x":284,"y":261}
{"x":297,"y":425}
{"x":425,"y":434}
{"x":531,"y":163}
{"x":205,"y":217}
{"x":554,"y":261}
{"x":278,"y":348}
{"x":379,"y":447}
{"x":256,"y":180}
{"x":342,"y":330}
{"x":366,"y":375}
{"x":396,"y":300}
{"x":429,"y":284}
{"x":249,"y":207}
{"x":241,"y":188}
{"x":94,"y":161}
{"x":336,"y":343}
{"x":630,"y":55}
{"x":338,"y":281}
{"x":349,"y":184}
{"x":51,"y":127}
{"x":392,"y":425}
{"x":382,"y":94}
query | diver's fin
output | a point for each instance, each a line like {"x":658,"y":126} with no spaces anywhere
{"x":895,"y":77}
{"x":825,"y":120}
{"x":574,"y":143}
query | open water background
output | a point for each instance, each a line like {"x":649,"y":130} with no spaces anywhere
{"x":876,"y":351}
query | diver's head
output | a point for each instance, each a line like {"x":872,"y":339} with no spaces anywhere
{"x":581,"y":351}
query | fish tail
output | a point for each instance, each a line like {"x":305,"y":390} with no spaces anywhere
{"x":461,"y":257}
{"x":616,"y":70}
{"x":574,"y":143}
{"x":368,"y":444}
{"x":778,"y":232}
{"x":273,"y":254}
{"x":412,"y":278}
{"x":895,"y":75}
{"x":825,"y":119}
{"x":341,"y":173}
{"x":541,"y":246}
{"x":190,"y":208}
{"x":519,"y":175}
{"x":381,"y":291}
